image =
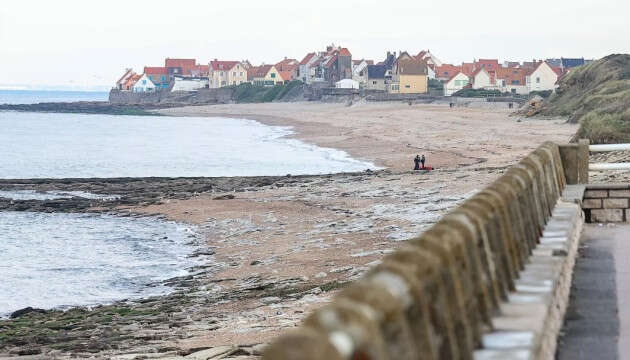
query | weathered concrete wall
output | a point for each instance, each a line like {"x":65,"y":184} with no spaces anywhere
{"x":201,"y":96}
{"x":575,"y":161}
{"x":604,"y":203}
{"x":435,"y":296}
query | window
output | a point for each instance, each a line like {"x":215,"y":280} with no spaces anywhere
{"x":221,"y":73}
{"x":144,"y":82}
{"x":151,"y":77}
{"x":538,"y":80}
{"x":374,"y":82}
{"x":241,"y":74}
{"x":163,"y":78}
{"x":408,"y":86}
{"x":222,"y":83}
{"x":515,"y":82}
{"x":273,"y":75}
{"x":233,"y":73}
{"x":233,"y":82}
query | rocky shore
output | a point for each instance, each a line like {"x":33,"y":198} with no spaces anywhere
{"x":91,"y":107}
{"x":280,"y":246}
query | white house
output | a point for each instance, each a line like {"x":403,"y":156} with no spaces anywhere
{"x":542,"y":78}
{"x":189,"y":83}
{"x":144,"y":84}
{"x":359,"y":71}
{"x":456,"y":83}
{"x":481,"y":79}
{"x":305,"y":69}
{"x":347,"y":84}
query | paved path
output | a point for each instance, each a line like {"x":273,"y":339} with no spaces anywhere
{"x":597,"y":324}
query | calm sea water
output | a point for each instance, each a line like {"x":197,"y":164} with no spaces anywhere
{"x":37,"y":96}
{"x":60,"y":260}
{"x":36,"y":145}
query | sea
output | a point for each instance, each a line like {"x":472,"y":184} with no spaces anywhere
{"x":61,"y":260}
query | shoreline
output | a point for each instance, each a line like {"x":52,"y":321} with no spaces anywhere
{"x":285,"y":246}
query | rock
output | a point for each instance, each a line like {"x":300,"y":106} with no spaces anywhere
{"x":26,"y":310}
{"x":255,"y":262}
{"x":270,"y":300}
{"x":258,"y":349}
{"x":224,"y":197}
{"x":211,"y":353}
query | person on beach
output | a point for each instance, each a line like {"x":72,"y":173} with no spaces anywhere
{"x":422,"y":160}
{"x":416,"y":162}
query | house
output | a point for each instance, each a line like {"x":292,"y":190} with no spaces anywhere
{"x":567,"y":63}
{"x":226,"y":73}
{"x":131,"y":81}
{"x":429,"y":58}
{"x":468,"y":68}
{"x":180,"y":66}
{"x":491,"y":65}
{"x":200,"y":71}
{"x":445,"y":72}
{"x":120,"y":84}
{"x":159,"y":76}
{"x":267,"y":75}
{"x":513,"y":80}
{"x":456,"y":83}
{"x":409,"y":76}
{"x":359,"y":70}
{"x":481,"y":79}
{"x":291,"y":66}
{"x":347,"y":84}
{"x":543,"y":77}
{"x":304,"y":67}
{"x":189,"y":83}
{"x":287,"y":76}
{"x":376,"y":78}
{"x":144,"y":84}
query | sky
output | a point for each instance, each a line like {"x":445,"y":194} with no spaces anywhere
{"x":88,"y":44}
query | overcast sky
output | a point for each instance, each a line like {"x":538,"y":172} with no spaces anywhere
{"x":89,"y":43}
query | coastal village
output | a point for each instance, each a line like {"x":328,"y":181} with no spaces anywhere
{"x":399,"y":72}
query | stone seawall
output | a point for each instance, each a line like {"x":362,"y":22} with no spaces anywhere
{"x":604,"y":203}
{"x":201,"y":96}
{"x":450,"y":292}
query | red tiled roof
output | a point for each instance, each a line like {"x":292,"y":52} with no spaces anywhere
{"x":155,"y":70}
{"x":182,"y":63}
{"x":557,"y":70}
{"x":446,"y":70}
{"x":513,"y":74}
{"x":344,"y":52}
{"x":467,"y":68}
{"x":286,"y":75}
{"x":331,"y":61}
{"x":307,"y":58}
{"x":222,"y":65}
{"x":457,"y":73}
{"x":262,"y":70}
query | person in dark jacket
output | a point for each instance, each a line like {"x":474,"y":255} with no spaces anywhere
{"x":416,"y":162}
{"x":422,"y":160}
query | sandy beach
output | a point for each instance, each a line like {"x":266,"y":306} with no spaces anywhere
{"x":281,"y":248}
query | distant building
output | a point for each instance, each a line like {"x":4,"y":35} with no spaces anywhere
{"x":376,"y":78}
{"x":144,"y":84}
{"x":481,"y":79}
{"x":267,"y":75}
{"x":543,"y":77}
{"x":159,"y":76}
{"x":290,"y":66}
{"x":120,"y":84}
{"x":513,"y":80}
{"x":306,"y":69}
{"x":189,"y":83}
{"x":409,"y":76}
{"x":347,"y":84}
{"x":226,"y":73}
{"x":455,"y":83}
{"x":183,"y":67}
{"x":445,"y":72}
{"x":567,"y":63}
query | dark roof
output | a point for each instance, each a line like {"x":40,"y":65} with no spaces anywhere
{"x":569,"y":63}
{"x":376,"y":71}
{"x":412,"y":67}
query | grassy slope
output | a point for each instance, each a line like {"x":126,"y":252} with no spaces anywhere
{"x":598,"y":97}
{"x":248,"y":93}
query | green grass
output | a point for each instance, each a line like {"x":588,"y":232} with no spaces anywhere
{"x":597,"y":96}
{"x":249,"y":93}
